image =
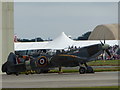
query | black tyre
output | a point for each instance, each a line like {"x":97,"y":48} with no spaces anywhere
{"x":45,"y":71}
{"x":38,"y":71}
{"x":26,"y":73}
{"x":16,"y":73}
{"x":82,"y":70}
{"x":90,"y":70}
{"x":8,"y":73}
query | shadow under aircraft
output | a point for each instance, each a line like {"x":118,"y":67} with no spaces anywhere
{"x":43,"y":63}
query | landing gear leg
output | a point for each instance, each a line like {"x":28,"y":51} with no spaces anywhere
{"x":82,"y":70}
{"x":89,"y":69}
{"x":60,"y":70}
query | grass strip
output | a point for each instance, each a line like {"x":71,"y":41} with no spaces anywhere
{"x":104,"y":63}
{"x":96,"y":70}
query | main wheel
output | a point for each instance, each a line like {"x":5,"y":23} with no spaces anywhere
{"x":8,"y":73}
{"x":90,"y":70}
{"x":45,"y":71}
{"x":16,"y":73}
{"x":82,"y":70}
{"x":26,"y":73}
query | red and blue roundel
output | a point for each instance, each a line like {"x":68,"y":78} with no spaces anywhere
{"x":42,"y":61}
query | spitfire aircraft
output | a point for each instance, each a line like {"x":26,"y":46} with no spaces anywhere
{"x":43,"y":63}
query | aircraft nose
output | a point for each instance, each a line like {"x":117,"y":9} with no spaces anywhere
{"x":105,"y":46}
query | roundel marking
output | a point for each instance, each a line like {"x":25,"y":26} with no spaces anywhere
{"x":42,"y":61}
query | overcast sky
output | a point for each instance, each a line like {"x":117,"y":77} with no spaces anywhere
{"x":49,"y":19}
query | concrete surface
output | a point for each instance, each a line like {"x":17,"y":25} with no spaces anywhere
{"x":55,"y":80}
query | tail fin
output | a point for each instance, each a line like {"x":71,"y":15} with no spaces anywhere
{"x":12,"y":58}
{"x":8,"y":66}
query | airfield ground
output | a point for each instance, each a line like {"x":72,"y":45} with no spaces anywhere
{"x":68,"y":80}
{"x":65,"y":80}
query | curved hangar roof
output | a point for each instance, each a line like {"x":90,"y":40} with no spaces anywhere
{"x":108,"y":32}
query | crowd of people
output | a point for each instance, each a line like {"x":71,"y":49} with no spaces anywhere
{"x":114,"y":52}
{"x":115,"y":55}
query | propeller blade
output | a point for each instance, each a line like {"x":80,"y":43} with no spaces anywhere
{"x":108,"y":52}
{"x":104,"y":39}
{"x":101,"y":43}
{"x":104,"y":57}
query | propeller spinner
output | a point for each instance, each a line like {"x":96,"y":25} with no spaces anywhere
{"x":105,"y":47}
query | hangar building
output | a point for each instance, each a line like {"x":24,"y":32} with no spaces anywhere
{"x":107,"y":31}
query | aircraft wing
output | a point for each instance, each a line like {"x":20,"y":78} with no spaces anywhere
{"x":84,"y":59}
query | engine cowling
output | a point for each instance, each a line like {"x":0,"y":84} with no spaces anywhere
{"x":42,"y":61}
